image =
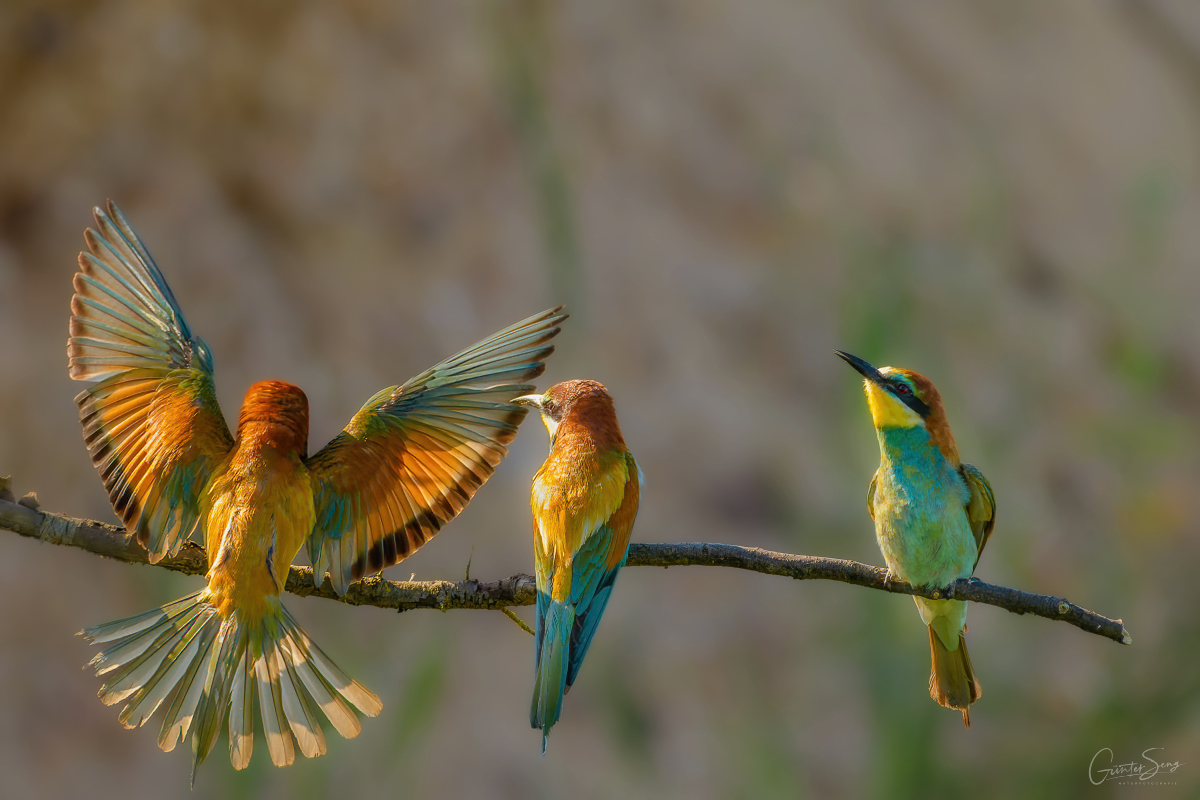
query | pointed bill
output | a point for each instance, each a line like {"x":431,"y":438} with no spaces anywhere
{"x":866,"y":370}
{"x":534,"y":400}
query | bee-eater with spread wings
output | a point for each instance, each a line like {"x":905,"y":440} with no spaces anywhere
{"x":933,"y":515}
{"x":585,"y":498}
{"x":407,"y":463}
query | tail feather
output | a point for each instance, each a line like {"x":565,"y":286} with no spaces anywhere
{"x":164,"y":681}
{"x":336,"y":709}
{"x":241,"y":714}
{"x":270,"y":704}
{"x":952,"y":681}
{"x":124,"y":628}
{"x":178,"y":719}
{"x":184,"y":656}
{"x":300,"y":715}
{"x":218,"y":687}
{"x":550,"y":679}
{"x":305,"y":651}
{"x":135,"y":645}
{"x":140,"y":664}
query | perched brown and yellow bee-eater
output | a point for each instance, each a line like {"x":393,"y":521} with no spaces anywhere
{"x":933,"y":515}
{"x":407,"y":463}
{"x":585,"y":498}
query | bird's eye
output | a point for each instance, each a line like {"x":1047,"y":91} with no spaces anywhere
{"x":902,"y":388}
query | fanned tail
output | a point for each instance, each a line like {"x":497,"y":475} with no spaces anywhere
{"x":952,"y":681}
{"x":203,"y":668}
{"x":550,"y":679}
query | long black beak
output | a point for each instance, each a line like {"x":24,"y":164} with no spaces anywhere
{"x":867,"y":371}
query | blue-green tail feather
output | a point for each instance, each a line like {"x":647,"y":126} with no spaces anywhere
{"x":554,"y":629}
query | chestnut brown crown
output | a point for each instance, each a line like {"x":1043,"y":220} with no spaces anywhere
{"x":278,"y":410}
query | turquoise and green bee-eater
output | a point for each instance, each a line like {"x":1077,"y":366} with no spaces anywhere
{"x":933,"y":515}
{"x":407,"y":463}
{"x":585,"y":498}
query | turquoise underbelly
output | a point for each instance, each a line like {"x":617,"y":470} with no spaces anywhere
{"x":920,"y":511}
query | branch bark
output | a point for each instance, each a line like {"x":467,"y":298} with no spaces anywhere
{"x":25,"y":518}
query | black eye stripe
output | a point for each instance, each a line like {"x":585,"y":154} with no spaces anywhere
{"x":910,"y":399}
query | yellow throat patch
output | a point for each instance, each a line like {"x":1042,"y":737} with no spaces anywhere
{"x":887,"y":410}
{"x":551,"y":426}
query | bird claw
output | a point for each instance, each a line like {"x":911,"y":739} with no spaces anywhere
{"x":889,"y":579}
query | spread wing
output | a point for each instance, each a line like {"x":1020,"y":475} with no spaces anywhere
{"x":152,"y":424}
{"x":981,"y":508}
{"x":413,"y":456}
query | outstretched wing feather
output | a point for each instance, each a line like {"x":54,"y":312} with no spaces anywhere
{"x":152,"y":424}
{"x":414,"y":455}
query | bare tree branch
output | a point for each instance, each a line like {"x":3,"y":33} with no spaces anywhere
{"x":25,"y":518}
{"x":803,"y":568}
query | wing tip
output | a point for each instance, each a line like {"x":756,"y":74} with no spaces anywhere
{"x":109,"y":211}
{"x":556,"y":312}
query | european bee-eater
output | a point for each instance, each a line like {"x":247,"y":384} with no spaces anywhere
{"x":933,"y":515}
{"x":585,"y":498}
{"x":407,"y":463}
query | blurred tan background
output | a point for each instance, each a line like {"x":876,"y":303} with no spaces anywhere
{"x":1001,"y":195}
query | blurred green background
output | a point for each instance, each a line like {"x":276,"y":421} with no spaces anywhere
{"x":1001,"y":195}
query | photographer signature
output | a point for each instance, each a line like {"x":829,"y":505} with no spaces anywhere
{"x":1101,"y":770}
